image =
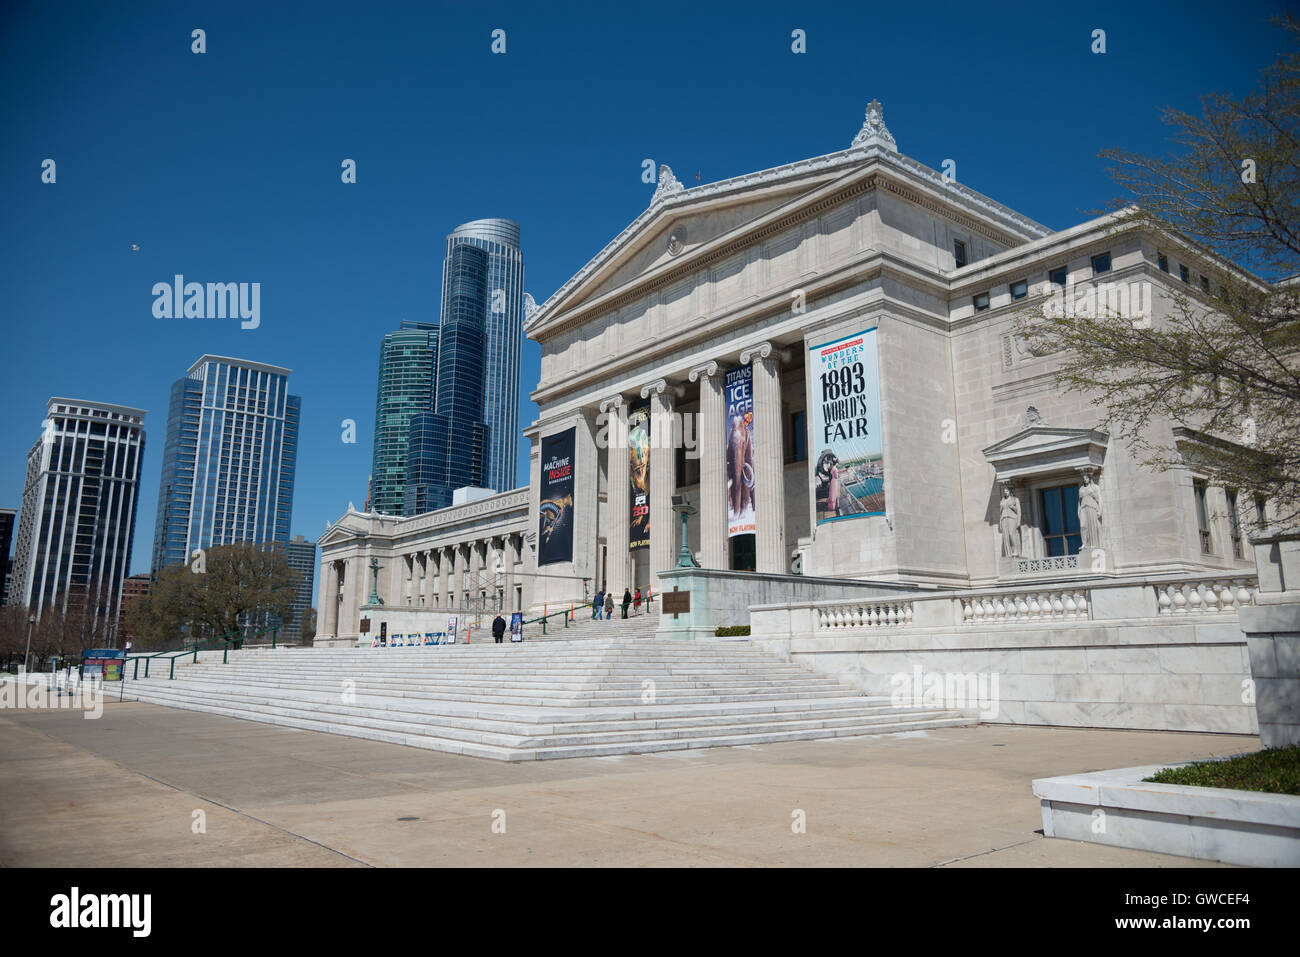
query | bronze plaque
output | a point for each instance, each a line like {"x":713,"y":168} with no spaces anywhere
{"x":365,"y":626}
{"x":675,"y":602}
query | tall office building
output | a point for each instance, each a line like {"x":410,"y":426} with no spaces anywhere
{"x":7,"y":516}
{"x":407,"y":368}
{"x":73,"y":547}
{"x":503,"y":337}
{"x":301,"y":555}
{"x":447,"y":449}
{"x":229,"y":460}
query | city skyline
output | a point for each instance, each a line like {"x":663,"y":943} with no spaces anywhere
{"x":124,"y":216}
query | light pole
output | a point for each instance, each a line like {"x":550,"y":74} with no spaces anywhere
{"x":31,"y":620}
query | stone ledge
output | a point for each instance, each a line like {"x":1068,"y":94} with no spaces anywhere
{"x":1119,"y":808}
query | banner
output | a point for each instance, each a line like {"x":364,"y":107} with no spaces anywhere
{"x":517,"y":626}
{"x":638,"y":460}
{"x":849,"y":467}
{"x":555,"y":511}
{"x":739,"y":397}
{"x":451,"y":630}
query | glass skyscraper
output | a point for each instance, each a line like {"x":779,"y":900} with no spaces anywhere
{"x":447,"y":449}
{"x":301,"y":557}
{"x":407,"y":370}
{"x":78,"y":514}
{"x":503,"y":335}
{"x":229,"y":459}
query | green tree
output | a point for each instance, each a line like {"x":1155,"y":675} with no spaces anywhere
{"x":228,"y":588}
{"x":1222,"y":361}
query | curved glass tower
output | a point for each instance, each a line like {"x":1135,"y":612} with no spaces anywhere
{"x":407,"y":366}
{"x":503,"y":338}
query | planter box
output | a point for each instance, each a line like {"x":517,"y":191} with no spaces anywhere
{"x":1118,"y":808}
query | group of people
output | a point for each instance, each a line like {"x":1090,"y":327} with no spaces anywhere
{"x":603,"y":603}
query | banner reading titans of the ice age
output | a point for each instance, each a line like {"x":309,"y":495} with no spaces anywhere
{"x":555,"y":513}
{"x":849,"y":466}
{"x":638,"y":462}
{"x":740,"y":451}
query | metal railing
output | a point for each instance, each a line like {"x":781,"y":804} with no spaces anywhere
{"x":235,"y":638}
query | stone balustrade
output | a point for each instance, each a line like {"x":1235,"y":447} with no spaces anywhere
{"x":857,"y":614}
{"x":1218,"y":596}
{"x":1036,"y":605}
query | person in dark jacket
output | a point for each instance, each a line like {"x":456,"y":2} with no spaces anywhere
{"x":498,"y":628}
{"x":598,"y":606}
{"x":609,"y":606}
{"x":627,"y":600}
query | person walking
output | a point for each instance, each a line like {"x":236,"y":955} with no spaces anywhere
{"x":498,"y":628}
{"x":598,"y":605}
{"x":609,"y":606}
{"x":636,"y":603}
{"x":627,"y":600}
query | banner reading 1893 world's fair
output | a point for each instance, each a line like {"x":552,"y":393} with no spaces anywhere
{"x":638,"y":464}
{"x":739,"y":397}
{"x":555,"y":509}
{"x":848,"y":457}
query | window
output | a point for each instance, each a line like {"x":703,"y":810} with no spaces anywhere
{"x":1205,"y":284}
{"x":1020,"y":289}
{"x":1183,"y":274}
{"x":1059,"y":275}
{"x":1101,"y":263}
{"x":959,"y":252}
{"x":798,"y":444}
{"x":1163,"y":262}
{"x":1061,"y":520}
{"x":1234,"y":523}
{"x":1202,"y":516}
{"x":981,"y":301}
{"x":1261,"y":510}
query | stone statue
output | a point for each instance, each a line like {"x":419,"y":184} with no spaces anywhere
{"x":1009,"y":522}
{"x":1090,"y":512}
{"x":668,"y":184}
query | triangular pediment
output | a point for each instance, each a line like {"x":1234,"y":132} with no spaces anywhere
{"x":1042,"y":448}
{"x":688,"y":225}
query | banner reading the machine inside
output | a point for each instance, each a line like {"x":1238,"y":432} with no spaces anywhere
{"x":555,"y":511}
{"x":848,"y":457}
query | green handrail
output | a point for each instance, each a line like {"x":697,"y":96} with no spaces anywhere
{"x":199,"y":645}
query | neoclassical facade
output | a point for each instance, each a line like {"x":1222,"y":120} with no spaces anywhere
{"x":819,"y":362}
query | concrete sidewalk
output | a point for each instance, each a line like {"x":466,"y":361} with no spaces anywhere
{"x":121,"y":791}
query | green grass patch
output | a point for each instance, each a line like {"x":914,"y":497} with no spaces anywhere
{"x":1276,"y":770}
{"x":731,"y":631}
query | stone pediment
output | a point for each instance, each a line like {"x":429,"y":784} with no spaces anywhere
{"x":1043,"y":448}
{"x":673,"y":231}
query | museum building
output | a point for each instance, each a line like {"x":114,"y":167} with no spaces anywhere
{"x":816,"y":368}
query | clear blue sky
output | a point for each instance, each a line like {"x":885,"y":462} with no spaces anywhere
{"x":225,"y":166}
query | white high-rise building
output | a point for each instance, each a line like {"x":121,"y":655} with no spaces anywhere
{"x":78,"y":513}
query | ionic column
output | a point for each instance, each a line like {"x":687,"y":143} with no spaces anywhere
{"x":769,"y":458}
{"x":395,"y":591}
{"x":444,"y":569}
{"x":511,"y":555}
{"x":713,"y":468}
{"x":618,"y":573}
{"x":354,"y":576}
{"x":663,"y":536}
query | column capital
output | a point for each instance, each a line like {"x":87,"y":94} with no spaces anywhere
{"x":763,"y":350}
{"x":707,"y":370}
{"x":659,"y":387}
{"x":613,"y":402}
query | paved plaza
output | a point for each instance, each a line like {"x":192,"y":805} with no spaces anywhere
{"x":122,"y":791}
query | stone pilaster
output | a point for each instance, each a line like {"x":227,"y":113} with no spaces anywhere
{"x":713,"y":469}
{"x":444,"y":569}
{"x":619,"y":562}
{"x":769,"y":458}
{"x":329,"y":605}
{"x":511,"y":557}
{"x":458,"y":599}
{"x":354,"y":575}
{"x":663,"y":445}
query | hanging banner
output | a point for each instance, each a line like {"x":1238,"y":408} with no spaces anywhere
{"x":849,"y":467}
{"x":638,"y":461}
{"x":517,"y":626}
{"x":555,"y":509}
{"x":739,"y":397}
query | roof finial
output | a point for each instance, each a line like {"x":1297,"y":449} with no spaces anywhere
{"x":874,"y":132}
{"x":668,"y":184}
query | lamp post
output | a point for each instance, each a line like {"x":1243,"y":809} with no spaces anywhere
{"x":31,"y":621}
{"x":685,"y":509}
{"x":374,"y":585}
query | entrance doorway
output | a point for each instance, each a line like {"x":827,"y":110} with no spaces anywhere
{"x":744,"y":553}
